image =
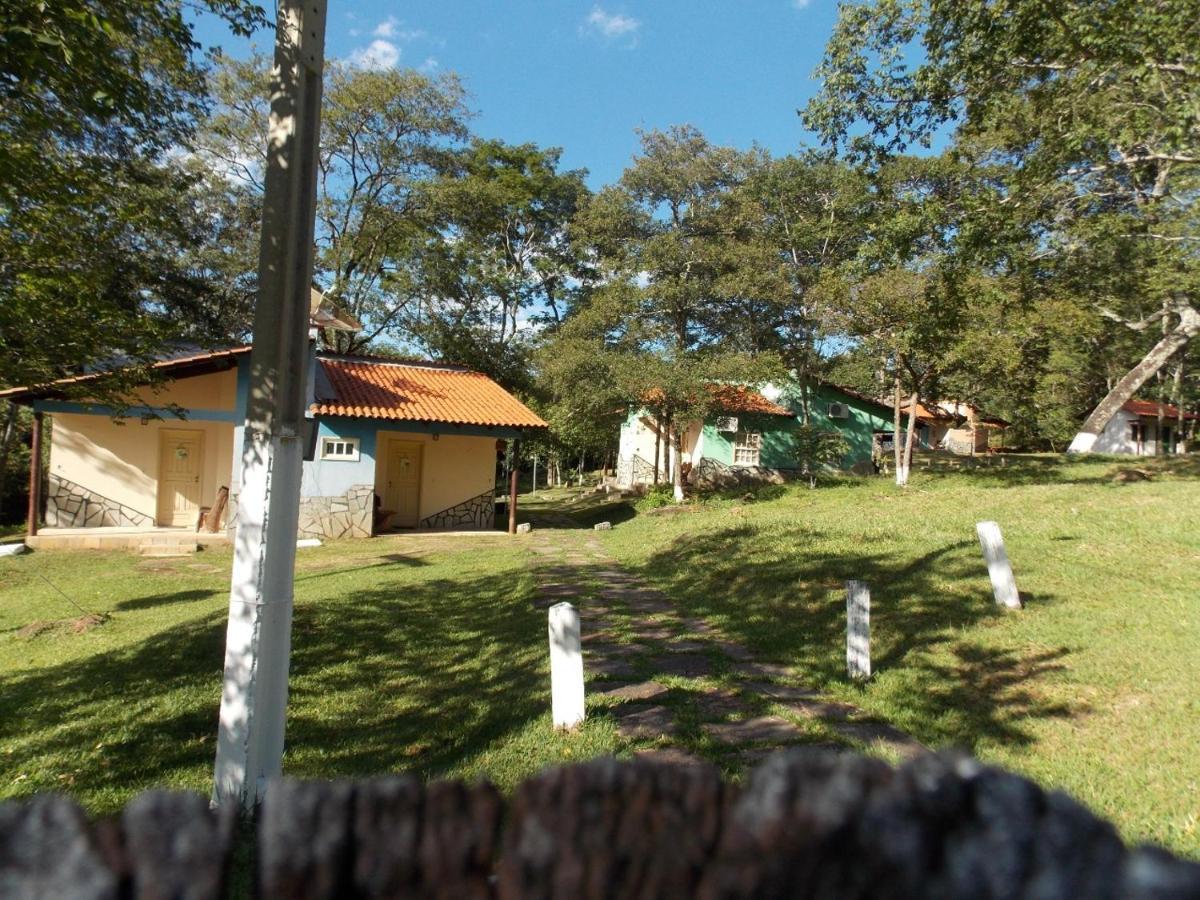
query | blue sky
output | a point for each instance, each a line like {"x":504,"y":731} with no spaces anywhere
{"x":583,"y":76}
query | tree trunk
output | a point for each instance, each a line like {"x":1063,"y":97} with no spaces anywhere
{"x":897,"y":452}
{"x":909,"y":438}
{"x":1177,"y":395}
{"x":10,"y":422}
{"x":1123,"y":390}
{"x":657,"y":446}
{"x":677,"y":464}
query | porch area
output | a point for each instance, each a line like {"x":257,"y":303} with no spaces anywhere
{"x":145,"y":540}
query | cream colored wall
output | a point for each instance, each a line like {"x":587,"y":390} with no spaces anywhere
{"x":453,"y":468}
{"x":215,"y":391}
{"x":120,"y":461}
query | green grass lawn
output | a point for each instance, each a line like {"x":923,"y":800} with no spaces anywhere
{"x":423,"y":653}
{"x":1092,"y":687}
{"x":429,"y":661}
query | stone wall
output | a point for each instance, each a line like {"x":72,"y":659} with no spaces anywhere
{"x":476,"y":513}
{"x":712,"y":473}
{"x":633,"y":471}
{"x":70,"y":505}
{"x":347,"y":516}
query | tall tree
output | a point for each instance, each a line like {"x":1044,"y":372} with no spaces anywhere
{"x":95,"y":97}
{"x":499,"y":261}
{"x":1095,"y":106}
{"x":796,"y":218}
{"x":386,"y":135}
{"x":661,"y":240}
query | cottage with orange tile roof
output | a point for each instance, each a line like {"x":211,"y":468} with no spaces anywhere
{"x":393,"y":444}
{"x":750,"y":436}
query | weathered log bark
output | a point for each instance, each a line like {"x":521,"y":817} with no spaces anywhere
{"x":1175,"y":340}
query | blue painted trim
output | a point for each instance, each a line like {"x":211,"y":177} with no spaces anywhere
{"x":136,"y":412}
{"x":337,"y":426}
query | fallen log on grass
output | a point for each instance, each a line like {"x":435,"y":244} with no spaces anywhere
{"x":806,"y":824}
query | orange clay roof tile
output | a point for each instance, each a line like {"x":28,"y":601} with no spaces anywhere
{"x":420,"y":393}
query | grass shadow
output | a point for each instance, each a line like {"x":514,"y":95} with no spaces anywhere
{"x":411,"y":676}
{"x":786,"y":603}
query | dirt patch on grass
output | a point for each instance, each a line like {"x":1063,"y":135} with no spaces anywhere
{"x":79,"y":625}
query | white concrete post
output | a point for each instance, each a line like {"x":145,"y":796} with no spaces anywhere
{"x":258,"y":639}
{"x":858,"y":629}
{"x":1004,"y":586}
{"x":566,"y":666}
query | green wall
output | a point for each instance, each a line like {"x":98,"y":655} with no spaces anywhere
{"x":858,"y":428}
{"x":776,"y":431}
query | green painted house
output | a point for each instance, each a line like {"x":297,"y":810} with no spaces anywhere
{"x":750,"y":437}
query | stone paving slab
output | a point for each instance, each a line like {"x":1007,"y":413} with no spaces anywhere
{"x":656,"y":632}
{"x":685,"y":646}
{"x":784,"y":692}
{"x":613,"y":651}
{"x":736,"y":652}
{"x":683,"y":664}
{"x":762,"y":670}
{"x":642,"y":690}
{"x":759,"y":729}
{"x":608,"y":668}
{"x":826,"y":710}
{"x":645,"y":722}
{"x":720,"y":703}
{"x":670,"y":756}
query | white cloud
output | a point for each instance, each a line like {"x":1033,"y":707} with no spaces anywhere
{"x":800,"y":4}
{"x":611,"y":25}
{"x":379,"y":54}
{"x":390,"y":28}
{"x":429,"y":66}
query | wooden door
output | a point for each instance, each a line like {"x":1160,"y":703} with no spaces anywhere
{"x":180,"y":463}
{"x":404,"y":483}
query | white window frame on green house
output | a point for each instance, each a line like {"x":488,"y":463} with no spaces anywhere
{"x":340,"y":449}
{"x":747,"y":448}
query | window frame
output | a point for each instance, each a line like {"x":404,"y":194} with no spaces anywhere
{"x":351,"y":451}
{"x":747,"y":443}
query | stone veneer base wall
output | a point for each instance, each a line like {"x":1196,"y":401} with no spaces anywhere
{"x":70,"y":505}
{"x":476,"y":513}
{"x":347,"y":516}
{"x":715,"y":474}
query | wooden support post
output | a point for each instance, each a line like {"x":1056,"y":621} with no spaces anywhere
{"x":566,"y":666}
{"x":512,"y":489}
{"x":858,"y":629}
{"x":250,"y":735}
{"x":1004,"y":586}
{"x":35,"y":476}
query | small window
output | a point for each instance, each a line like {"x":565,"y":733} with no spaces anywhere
{"x":747,"y":446}
{"x":340,"y":448}
{"x":1137,"y":432}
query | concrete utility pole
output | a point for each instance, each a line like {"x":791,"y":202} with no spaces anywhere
{"x":258,"y":640}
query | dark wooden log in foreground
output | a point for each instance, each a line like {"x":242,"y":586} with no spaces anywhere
{"x":806,"y":824}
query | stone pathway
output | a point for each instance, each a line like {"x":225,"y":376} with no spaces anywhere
{"x":672,"y":681}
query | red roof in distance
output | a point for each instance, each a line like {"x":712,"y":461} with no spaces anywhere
{"x":1150,"y":408}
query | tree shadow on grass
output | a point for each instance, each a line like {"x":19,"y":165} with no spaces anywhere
{"x":410,"y":677}
{"x":178,"y":597}
{"x":984,"y":693}
{"x":786,"y":603}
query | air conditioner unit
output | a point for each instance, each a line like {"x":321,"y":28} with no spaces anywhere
{"x":727,"y":423}
{"x":839,"y":411}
